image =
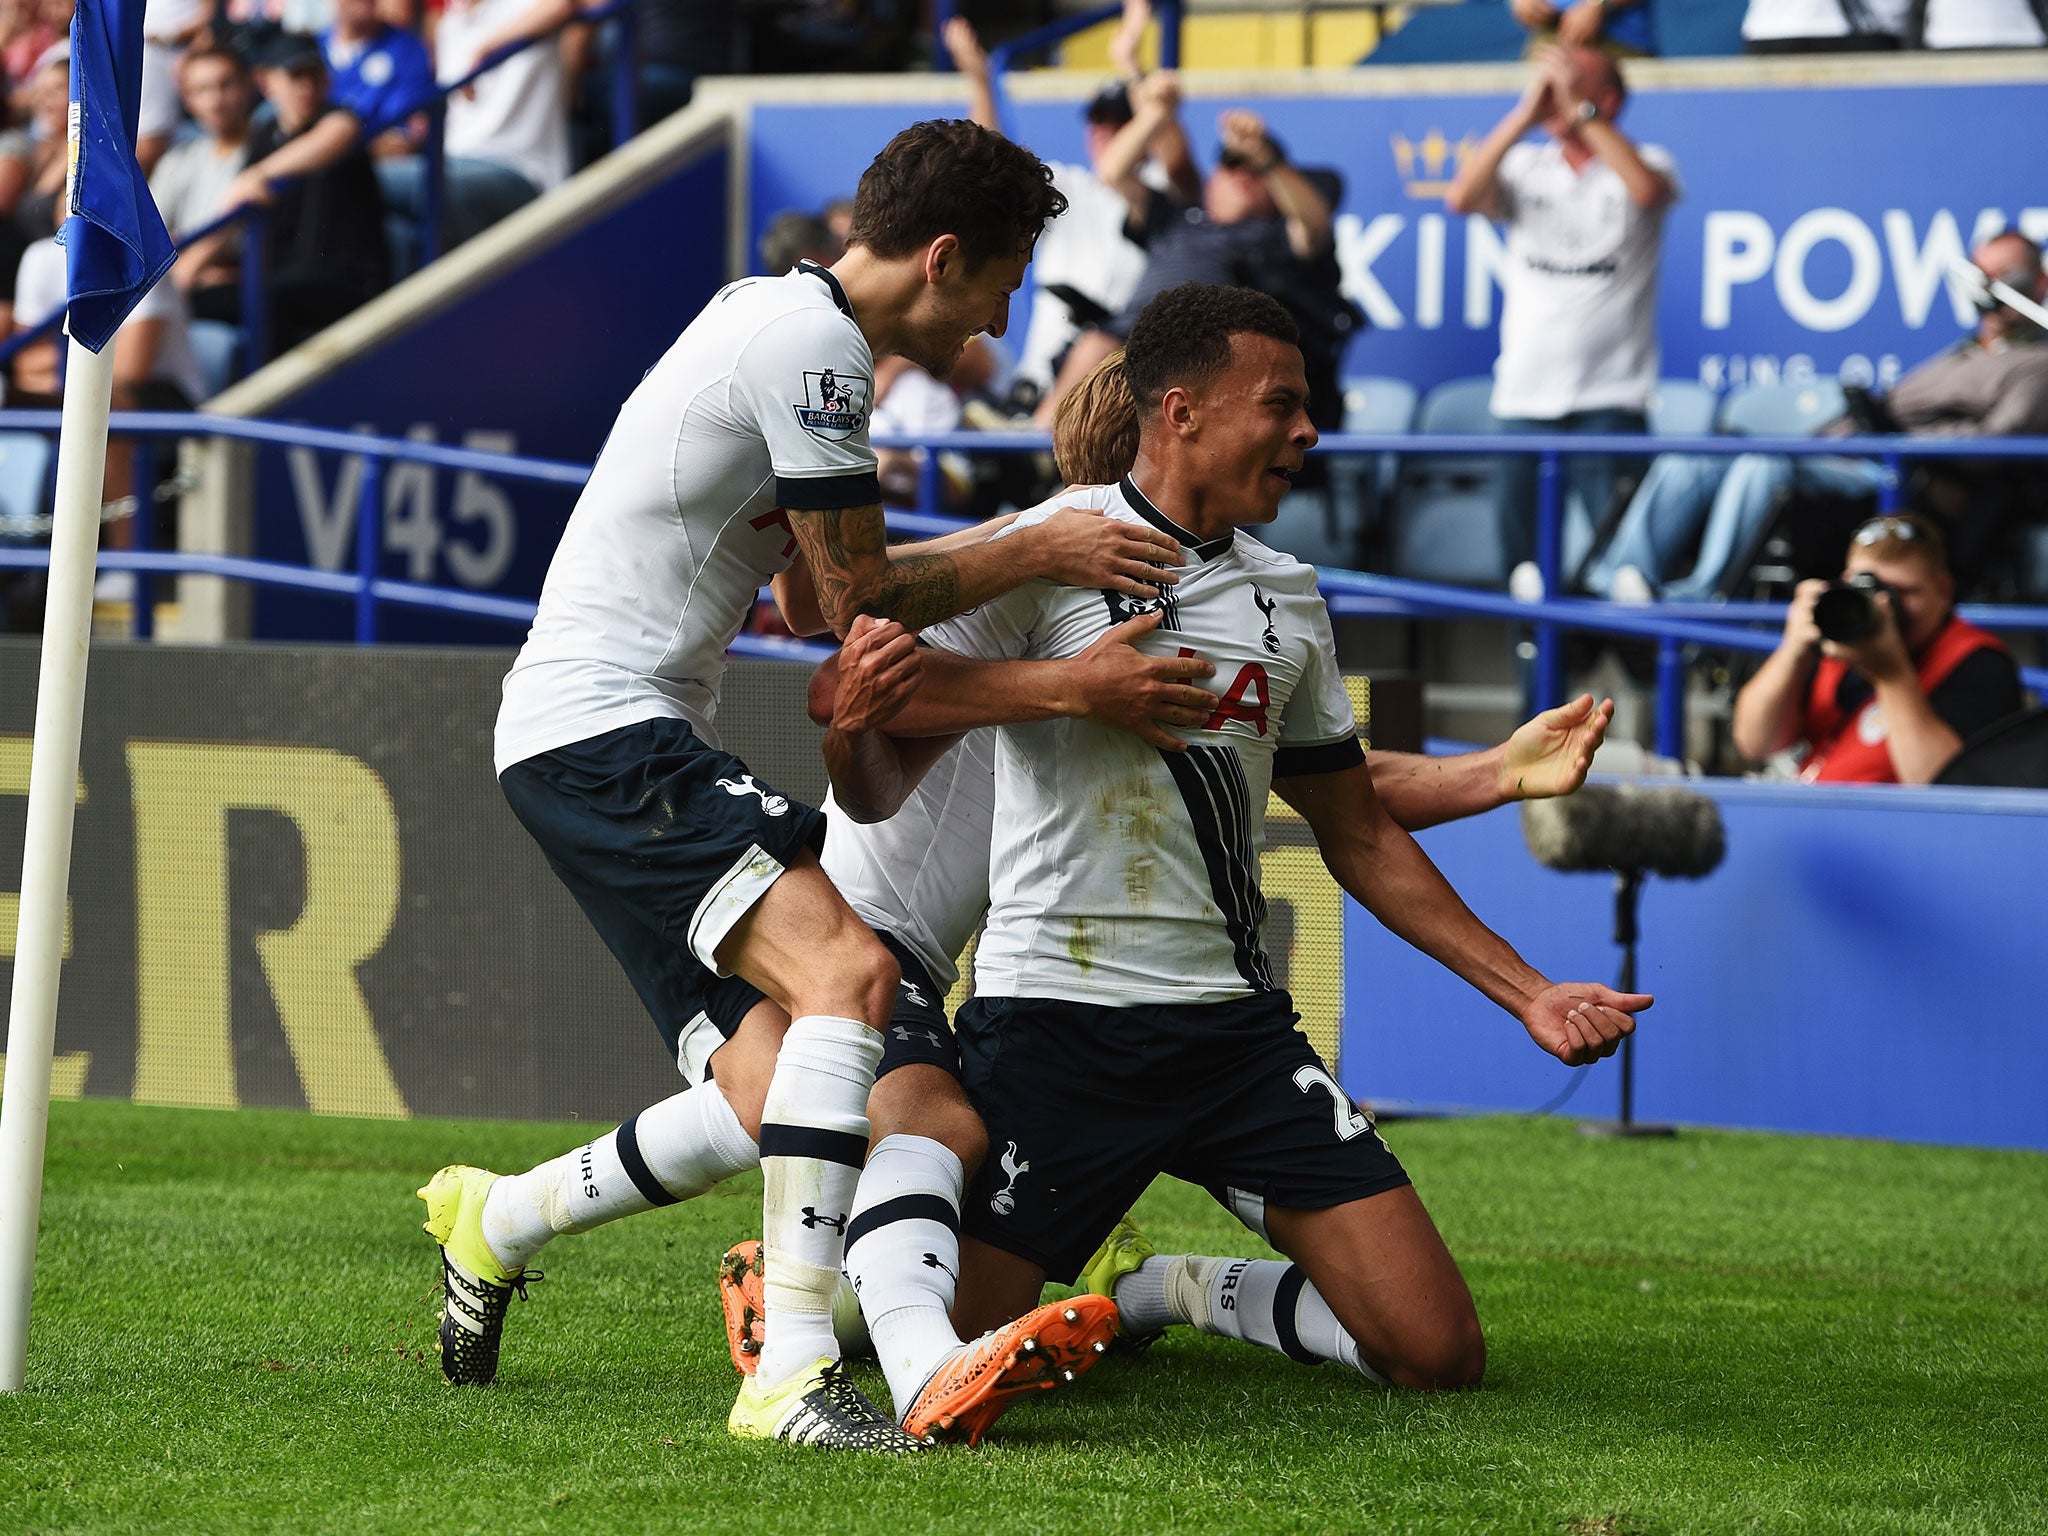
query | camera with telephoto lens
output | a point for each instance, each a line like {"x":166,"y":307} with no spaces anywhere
{"x":1847,"y":611}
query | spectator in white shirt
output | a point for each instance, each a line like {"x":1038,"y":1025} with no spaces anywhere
{"x":1825,"y":26}
{"x":192,"y":181}
{"x":1983,"y":24}
{"x":1578,"y":326}
{"x":506,"y":138}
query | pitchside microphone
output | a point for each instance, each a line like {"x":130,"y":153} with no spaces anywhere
{"x":1633,"y":831}
{"x":1669,"y":832}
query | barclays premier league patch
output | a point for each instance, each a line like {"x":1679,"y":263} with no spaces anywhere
{"x":835,"y":404}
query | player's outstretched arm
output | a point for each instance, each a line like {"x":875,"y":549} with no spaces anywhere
{"x":1549,"y":755}
{"x":1384,"y":870}
{"x":916,"y":585}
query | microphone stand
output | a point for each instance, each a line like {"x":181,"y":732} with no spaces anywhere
{"x":1628,"y":886}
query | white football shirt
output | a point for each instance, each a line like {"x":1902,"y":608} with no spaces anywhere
{"x":760,"y":406}
{"x":1121,"y":874}
{"x":922,"y":876}
{"x":1578,"y":314}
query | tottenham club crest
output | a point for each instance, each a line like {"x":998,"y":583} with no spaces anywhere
{"x":1002,"y":1202}
{"x":774,"y":805}
{"x":835,"y":404}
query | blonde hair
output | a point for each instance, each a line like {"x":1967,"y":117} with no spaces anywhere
{"x":1095,"y":430}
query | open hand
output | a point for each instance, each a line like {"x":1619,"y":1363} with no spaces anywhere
{"x":1117,"y":685}
{"x":1082,"y":548}
{"x":963,"y":46}
{"x":879,"y":669}
{"x":1551,"y":754}
{"x":1581,"y":1021}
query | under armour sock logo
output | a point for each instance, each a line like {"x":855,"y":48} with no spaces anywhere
{"x":813,"y":1219}
{"x":933,"y":1261}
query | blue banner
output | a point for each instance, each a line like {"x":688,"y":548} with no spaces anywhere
{"x":1812,"y":236}
{"x":115,"y":244}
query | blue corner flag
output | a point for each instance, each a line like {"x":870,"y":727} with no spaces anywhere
{"x":115,"y":243}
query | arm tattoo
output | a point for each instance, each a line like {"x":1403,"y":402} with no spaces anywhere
{"x":850,"y":564}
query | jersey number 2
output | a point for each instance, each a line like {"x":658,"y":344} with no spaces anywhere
{"x":1350,"y":1123}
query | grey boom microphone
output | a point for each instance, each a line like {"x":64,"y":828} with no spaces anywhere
{"x":1661,"y":831}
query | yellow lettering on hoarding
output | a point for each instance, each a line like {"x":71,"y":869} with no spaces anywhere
{"x":67,"y":1073}
{"x":184,"y":1039}
{"x":1315,"y":963}
{"x":14,"y":765}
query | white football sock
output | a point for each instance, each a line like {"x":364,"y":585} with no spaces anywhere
{"x":1267,"y":1302}
{"x":903,"y":1254}
{"x":677,"y":1149}
{"x":814,"y":1136}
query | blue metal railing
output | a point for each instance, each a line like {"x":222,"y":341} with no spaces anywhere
{"x":1669,"y":626}
{"x":1552,"y":618}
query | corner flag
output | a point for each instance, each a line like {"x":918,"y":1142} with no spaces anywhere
{"x":115,"y":244}
{"x":116,"y":250}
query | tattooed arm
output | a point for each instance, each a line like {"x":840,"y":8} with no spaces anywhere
{"x":917,"y":585}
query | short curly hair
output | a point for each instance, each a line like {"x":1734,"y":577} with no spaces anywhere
{"x":1183,"y":336}
{"x":953,"y":177}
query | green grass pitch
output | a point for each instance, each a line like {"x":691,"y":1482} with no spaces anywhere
{"x":1722,"y":1333}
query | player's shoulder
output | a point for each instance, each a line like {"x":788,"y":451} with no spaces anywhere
{"x":806,"y":302}
{"x":1274,"y":567}
{"x":1082,"y":498}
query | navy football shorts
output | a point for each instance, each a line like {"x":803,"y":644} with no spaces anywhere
{"x":666,"y":843}
{"x":1086,"y":1105}
{"x":918,"y":1032}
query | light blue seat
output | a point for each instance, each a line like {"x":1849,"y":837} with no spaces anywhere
{"x":1364,"y":487}
{"x":1797,"y":409}
{"x":1446,"y":519}
{"x":1683,"y":408}
{"x":24,"y":482}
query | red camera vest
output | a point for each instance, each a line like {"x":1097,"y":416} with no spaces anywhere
{"x":1854,"y":749}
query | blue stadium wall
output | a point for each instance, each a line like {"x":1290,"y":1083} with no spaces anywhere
{"x":1867,"y":962}
{"x":535,"y":363}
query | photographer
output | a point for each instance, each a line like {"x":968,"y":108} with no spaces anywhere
{"x":1903,"y":683}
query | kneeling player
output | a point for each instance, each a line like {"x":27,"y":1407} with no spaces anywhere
{"x":920,"y":878}
{"x":1126,"y":1022}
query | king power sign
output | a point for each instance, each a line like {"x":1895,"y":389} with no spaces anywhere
{"x":1813,"y":233}
{"x":1784,"y":257}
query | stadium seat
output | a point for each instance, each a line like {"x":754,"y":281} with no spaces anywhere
{"x":1446,"y":521}
{"x":1364,"y":487}
{"x":1805,"y":535}
{"x":24,"y":478}
{"x":1337,"y":526}
{"x":1682,"y":408}
{"x":218,"y":346}
{"x":1692,"y":29}
{"x":1797,"y":409}
{"x":1477,"y":32}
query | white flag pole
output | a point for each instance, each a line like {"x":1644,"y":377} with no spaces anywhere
{"x":46,"y":851}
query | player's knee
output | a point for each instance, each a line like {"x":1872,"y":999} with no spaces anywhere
{"x":1448,"y":1356}
{"x":855,"y":974}
{"x":926,"y":1101}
